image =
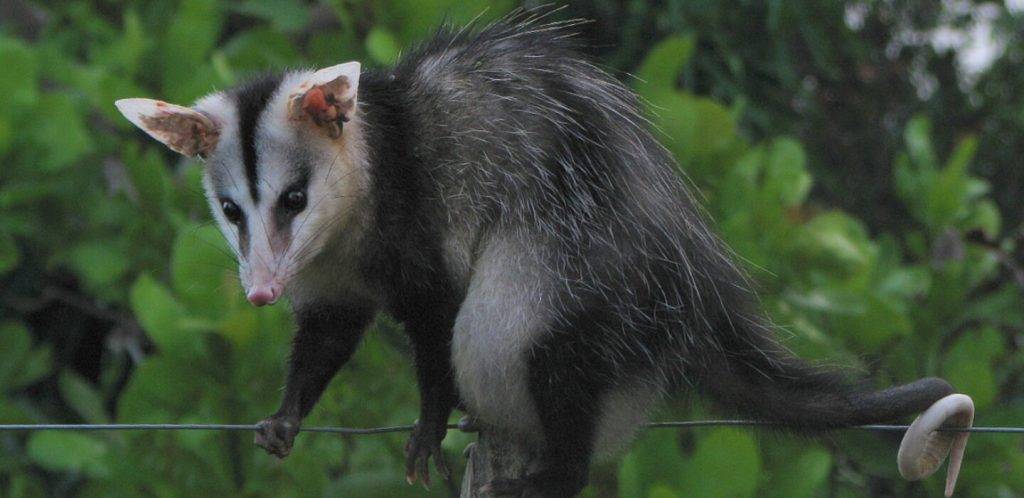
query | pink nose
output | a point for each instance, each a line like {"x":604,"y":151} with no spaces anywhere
{"x":264,"y":294}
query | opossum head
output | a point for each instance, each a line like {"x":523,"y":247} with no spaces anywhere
{"x":284,"y":166}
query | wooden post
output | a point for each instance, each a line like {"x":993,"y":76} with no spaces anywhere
{"x":494,"y":456}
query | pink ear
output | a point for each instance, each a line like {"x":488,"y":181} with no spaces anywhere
{"x":183,"y":130}
{"x":327,"y":98}
{"x":328,"y":105}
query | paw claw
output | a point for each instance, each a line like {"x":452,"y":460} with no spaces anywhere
{"x":423,"y":469}
{"x":441,"y":465}
{"x":423,"y":444}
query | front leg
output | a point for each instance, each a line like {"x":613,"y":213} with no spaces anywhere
{"x":432,"y":350}
{"x":326,"y":339}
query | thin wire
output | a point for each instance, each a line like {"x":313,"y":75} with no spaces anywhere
{"x":407,"y":428}
{"x":195,"y":427}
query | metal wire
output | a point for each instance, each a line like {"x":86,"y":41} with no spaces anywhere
{"x":407,"y":428}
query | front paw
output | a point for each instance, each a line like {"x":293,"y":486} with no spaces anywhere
{"x":276,"y":434}
{"x":425,"y":442}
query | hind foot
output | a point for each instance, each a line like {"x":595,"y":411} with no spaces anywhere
{"x":424,"y":443}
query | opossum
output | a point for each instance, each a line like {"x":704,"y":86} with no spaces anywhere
{"x":506,"y":200}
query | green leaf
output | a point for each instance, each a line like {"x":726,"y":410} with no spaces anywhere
{"x":240,"y":325}
{"x":157,"y":388}
{"x":414,"y":20}
{"x":149,"y":176}
{"x":840,"y":238}
{"x":910,"y":183}
{"x":714,"y":130}
{"x":985,"y":217}
{"x":126,"y":51}
{"x":872,"y":454}
{"x":785,"y":176}
{"x":662,"y":492}
{"x":83,"y":397}
{"x":99,"y":263}
{"x":658,"y":460}
{"x":962,"y":156}
{"x":161,"y":316}
{"x":799,"y":477}
{"x":630,"y":480}
{"x":968,"y":365}
{"x":917,"y":136}
{"x":34,"y":366}
{"x":6,"y":135}
{"x":17,"y":342}
{"x":185,"y":47}
{"x":696,"y":127}
{"x":948,"y":196}
{"x":382,"y":46}
{"x":9,"y":256}
{"x":726,"y":464}
{"x":18,"y":80}
{"x":202,"y":269}
{"x":15,"y":413}
{"x":24,"y":486}
{"x":58,"y":133}
{"x":660,"y":69}
{"x":905,"y":282}
{"x":675,"y":114}
{"x":69,"y":452}
{"x":371,"y":483}
{"x":882,"y":319}
{"x":22,"y":194}
{"x":283,"y":15}
{"x":260,"y":49}
{"x":324,"y":47}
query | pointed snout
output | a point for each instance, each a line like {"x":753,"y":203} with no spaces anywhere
{"x":260,"y":295}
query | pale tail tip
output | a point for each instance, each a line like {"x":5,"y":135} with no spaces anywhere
{"x":924,"y":447}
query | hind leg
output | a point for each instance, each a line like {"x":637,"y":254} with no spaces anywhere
{"x":566,"y":392}
{"x":438,"y":396}
{"x":524,"y":366}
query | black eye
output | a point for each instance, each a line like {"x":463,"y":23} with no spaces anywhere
{"x":294,"y":200}
{"x":231,"y":211}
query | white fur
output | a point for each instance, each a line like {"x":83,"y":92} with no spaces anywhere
{"x":350,"y":70}
{"x":227,"y":158}
{"x":622,"y":411}
{"x":338,"y":180}
{"x":507,"y":309}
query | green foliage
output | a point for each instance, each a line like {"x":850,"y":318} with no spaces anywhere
{"x":102,"y":229}
{"x":915,"y":299}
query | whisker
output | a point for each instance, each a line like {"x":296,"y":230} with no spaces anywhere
{"x":305,"y":218}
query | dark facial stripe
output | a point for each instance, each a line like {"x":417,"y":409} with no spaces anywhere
{"x":243,"y":238}
{"x":251,"y":98}
{"x":283,"y":218}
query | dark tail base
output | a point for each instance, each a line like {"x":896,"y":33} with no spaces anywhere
{"x":788,"y":391}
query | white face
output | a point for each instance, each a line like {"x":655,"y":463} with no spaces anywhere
{"x":284,"y":167}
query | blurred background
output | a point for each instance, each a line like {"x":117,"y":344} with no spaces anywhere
{"x":863,"y":157}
